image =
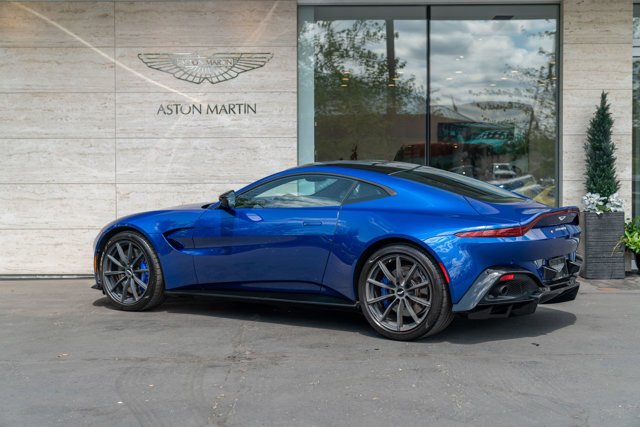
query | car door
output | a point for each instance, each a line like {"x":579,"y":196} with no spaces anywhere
{"x":277,"y":237}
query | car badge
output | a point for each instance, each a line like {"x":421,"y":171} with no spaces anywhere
{"x":561,"y":218}
{"x":196,"y":68}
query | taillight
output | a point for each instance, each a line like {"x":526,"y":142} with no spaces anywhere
{"x":495,"y":232}
{"x":512,"y":231}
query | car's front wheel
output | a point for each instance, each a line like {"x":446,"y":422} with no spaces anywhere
{"x":403,"y":293}
{"x":130,"y":272}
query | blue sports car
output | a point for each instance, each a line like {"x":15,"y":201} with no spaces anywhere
{"x":409,"y":245}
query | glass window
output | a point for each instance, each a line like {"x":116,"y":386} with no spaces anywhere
{"x":472,"y":90}
{"x":362,"y":83}
{"x":636,"y":110}
{"x":459,"y":184}
{"x":494,"y":95}
{"x":364,"y":191}
{"x":297,"y":192}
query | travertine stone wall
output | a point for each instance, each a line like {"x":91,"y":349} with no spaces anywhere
{"x":80,"y":137}
{"x":82,"y":142}
{"x":596,"y":56}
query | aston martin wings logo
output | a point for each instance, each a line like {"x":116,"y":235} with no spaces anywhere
{"x":196,"y":68}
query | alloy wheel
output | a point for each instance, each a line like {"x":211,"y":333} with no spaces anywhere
{"x":398,"y":293}
{"x":125,"y":272}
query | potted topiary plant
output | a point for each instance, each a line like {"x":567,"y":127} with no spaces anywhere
{"x":603,"y":216}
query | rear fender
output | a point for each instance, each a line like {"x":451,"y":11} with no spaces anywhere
{"x":337,"y":269}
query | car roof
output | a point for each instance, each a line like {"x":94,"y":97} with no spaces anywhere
{"x":390,"y":175}
{"x":380,"y":166}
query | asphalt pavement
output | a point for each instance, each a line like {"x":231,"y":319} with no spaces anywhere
{"x":68,"y":358}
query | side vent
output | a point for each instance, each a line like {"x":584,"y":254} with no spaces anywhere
{"x":180,"y":238}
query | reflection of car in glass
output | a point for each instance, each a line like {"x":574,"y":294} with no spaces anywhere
{"x":502,"y":171}
{"x":514,"y":183}
{"x":498,"y":140}
{"x":467,"y":170}
{"x":547,"y":196}
{"x":530,"y":191}
{"x":408,"y":245}
{"x":525,"y":185}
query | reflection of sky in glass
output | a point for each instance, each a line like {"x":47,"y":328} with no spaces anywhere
{"x":474,"y":61}
{"x":410,"y":48}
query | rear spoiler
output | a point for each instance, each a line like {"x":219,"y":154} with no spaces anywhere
{"x":555,"y":217}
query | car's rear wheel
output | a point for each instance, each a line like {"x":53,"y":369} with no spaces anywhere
{"x":403,"y":294}
{"x":130,"y":272}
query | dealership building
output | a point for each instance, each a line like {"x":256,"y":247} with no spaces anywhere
{"x":112,"y":107}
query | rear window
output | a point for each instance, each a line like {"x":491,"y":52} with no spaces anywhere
{"x":459,"y":184}
{"x":364,"y":192}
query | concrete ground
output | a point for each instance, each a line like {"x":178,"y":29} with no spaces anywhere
{"x":68,"y":358}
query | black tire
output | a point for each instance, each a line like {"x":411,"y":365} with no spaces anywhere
{"x":445,"y":318}
{"x":127,"y":262}
{"x":417,"y":298}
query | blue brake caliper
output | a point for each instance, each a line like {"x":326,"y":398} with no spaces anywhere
{"x":145,"y":275}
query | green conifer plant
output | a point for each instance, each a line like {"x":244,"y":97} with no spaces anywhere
{"x":600,"y":149}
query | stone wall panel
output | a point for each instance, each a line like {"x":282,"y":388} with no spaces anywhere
{"x":57,"y":24}
{"x":206,"y":23}
{"x":202,"y":160}
{"x":47,"y":160}
{"x":57,"y":115}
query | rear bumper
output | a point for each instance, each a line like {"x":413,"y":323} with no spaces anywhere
{"x":493,"y":296}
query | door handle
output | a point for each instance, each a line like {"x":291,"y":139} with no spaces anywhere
{"x":309,"y":223}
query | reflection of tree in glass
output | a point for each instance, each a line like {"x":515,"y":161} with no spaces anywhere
{"x":362,"y":95}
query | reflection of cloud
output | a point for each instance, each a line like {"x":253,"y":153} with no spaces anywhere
{"x":502,"y":55}
{"x":411,"y":47}
{"x":454,"y":44}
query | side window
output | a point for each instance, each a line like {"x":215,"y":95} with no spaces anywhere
{"x":363,"y":192}
{"x":298,"y":191}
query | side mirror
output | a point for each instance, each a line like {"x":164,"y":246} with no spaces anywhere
{"x":228,"y":200}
